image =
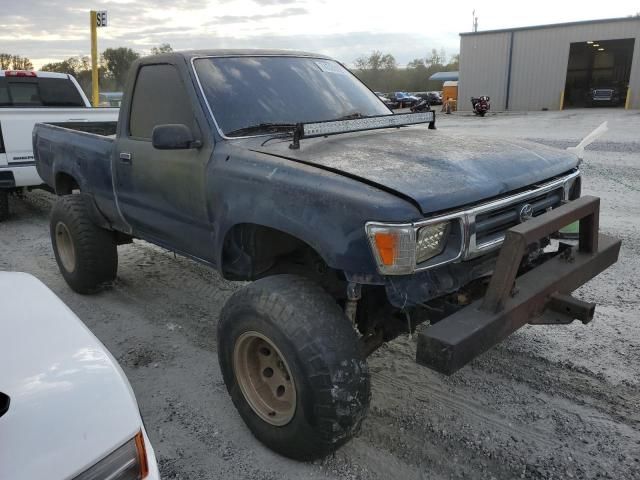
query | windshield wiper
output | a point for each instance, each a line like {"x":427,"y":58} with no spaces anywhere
{"x":351,"y":116}
{"x":262,"y":128}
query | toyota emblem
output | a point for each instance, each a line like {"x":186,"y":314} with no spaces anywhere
{"x":526,"y":212}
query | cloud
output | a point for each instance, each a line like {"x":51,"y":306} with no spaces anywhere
{"x":274,"y":2}
{"x":52,"y":30}
{"x":287,"y":12}
{"x":344,"y":47}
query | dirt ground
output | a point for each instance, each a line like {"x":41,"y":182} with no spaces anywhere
{"x":549,"y":403}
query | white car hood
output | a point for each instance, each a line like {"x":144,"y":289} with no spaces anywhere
{"x":71,"y":404}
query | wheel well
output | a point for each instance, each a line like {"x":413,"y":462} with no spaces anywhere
{"x":254,"y":251}
{"x":65,"y":184}
{"x":250,"y":250}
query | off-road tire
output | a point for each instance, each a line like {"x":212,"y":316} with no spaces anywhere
{"x":4,"y":205}
{"x":321,"y":350}
{"x":94,"y":248}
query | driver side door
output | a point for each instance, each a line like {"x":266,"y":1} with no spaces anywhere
{"x":162,"y":193}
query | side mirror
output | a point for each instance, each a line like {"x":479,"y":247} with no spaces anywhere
{"x":174,"y":136}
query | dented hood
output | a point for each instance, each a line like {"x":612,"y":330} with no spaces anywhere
{"x":436,"y":170}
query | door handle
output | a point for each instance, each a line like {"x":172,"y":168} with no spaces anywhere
{"x":125,"y":158}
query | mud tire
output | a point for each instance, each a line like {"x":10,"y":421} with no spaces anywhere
{"x":86,"y":254}
{"x":4,"y":205}
{"x":322,"y":353}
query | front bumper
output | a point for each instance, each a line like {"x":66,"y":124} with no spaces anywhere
{"x":538,"y":296}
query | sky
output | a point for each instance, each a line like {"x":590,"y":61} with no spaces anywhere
{"x":52,"y":30}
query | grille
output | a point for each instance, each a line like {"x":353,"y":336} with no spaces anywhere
{"x":492,"y":225}
{"x":606,"y":93}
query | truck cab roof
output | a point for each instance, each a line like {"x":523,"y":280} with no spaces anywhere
{"x":234,"y":52}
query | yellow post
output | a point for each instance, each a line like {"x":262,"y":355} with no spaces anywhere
{"x":93,"y":20}
{"x":562,"y":100}
{"x":627,"y":102}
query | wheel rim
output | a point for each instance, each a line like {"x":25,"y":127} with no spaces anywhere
{"x":65,"y":248}
{"x":264,"y":378}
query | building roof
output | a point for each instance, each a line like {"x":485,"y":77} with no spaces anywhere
{"x":553,"y":25}
{"x":444,"y":76}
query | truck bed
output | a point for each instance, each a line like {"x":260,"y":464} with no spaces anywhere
{"x":77,"y":151}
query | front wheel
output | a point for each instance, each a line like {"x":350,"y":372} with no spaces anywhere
{"x":291,"y":362}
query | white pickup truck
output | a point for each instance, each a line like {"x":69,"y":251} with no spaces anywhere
{"x":27,"y":98}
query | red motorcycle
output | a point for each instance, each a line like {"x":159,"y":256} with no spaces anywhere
{"x":481,"y":105}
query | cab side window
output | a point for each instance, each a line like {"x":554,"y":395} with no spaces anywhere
{"x":159,"y":98}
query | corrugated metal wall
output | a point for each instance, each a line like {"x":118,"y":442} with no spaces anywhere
{"x":483,"y":68}
{"x":539,"y":63}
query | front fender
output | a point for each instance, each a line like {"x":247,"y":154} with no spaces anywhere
{"x":325,"y":210}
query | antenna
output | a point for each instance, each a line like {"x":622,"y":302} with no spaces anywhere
{"x":475,"y":20}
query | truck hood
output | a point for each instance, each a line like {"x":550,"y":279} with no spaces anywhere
{"x":436,"y":170}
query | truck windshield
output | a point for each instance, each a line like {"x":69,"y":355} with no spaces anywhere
{"x":39,"y":92}
{"x":246,"y":92}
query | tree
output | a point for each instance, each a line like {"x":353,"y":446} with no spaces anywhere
{"x":14,"y":62}
{"x":416,"y":63}
{"x":454,"y":62}
{"x":5,"y":61}
{"x":162,"y":48}
{"x":21,"y":63}
{"x":414,"y":78}
{"x":80,"y":67}
{"x":376,"y":61}
{"x":117,"y":63}
{"x":378,"y":70}
{"x":436,"y":58}
{"x":71,"y":66}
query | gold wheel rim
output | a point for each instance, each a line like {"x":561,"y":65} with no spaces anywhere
{"x":64,"y":245}
{"x":264,"y":378}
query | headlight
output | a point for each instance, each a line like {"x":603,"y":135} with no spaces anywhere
{"x":431,"y":241}
{"x":128,"y":462}
{"x":399,"y":248}
{"x":394,"y":247}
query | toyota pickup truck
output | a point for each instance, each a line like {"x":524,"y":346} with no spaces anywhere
{"x":354,"y":225}
{"x":26,"y":98}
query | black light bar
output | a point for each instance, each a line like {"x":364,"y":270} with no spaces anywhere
{"x":333,"y":127}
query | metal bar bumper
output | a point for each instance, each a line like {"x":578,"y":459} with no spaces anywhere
{"x":510,"y":303}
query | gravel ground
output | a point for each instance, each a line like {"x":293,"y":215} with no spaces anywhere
{"x":548,"y":403}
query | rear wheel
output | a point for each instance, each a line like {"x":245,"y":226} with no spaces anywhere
{"x":293,"y":367}
{"x":4,"y":205}
{"x":86,"y":254}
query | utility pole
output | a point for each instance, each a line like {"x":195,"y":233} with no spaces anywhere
{"x":96,"y":19}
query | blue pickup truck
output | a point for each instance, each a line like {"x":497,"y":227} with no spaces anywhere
{"x":354,"y":224}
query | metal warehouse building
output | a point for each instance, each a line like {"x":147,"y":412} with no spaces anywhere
{"x":552,"y":66}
